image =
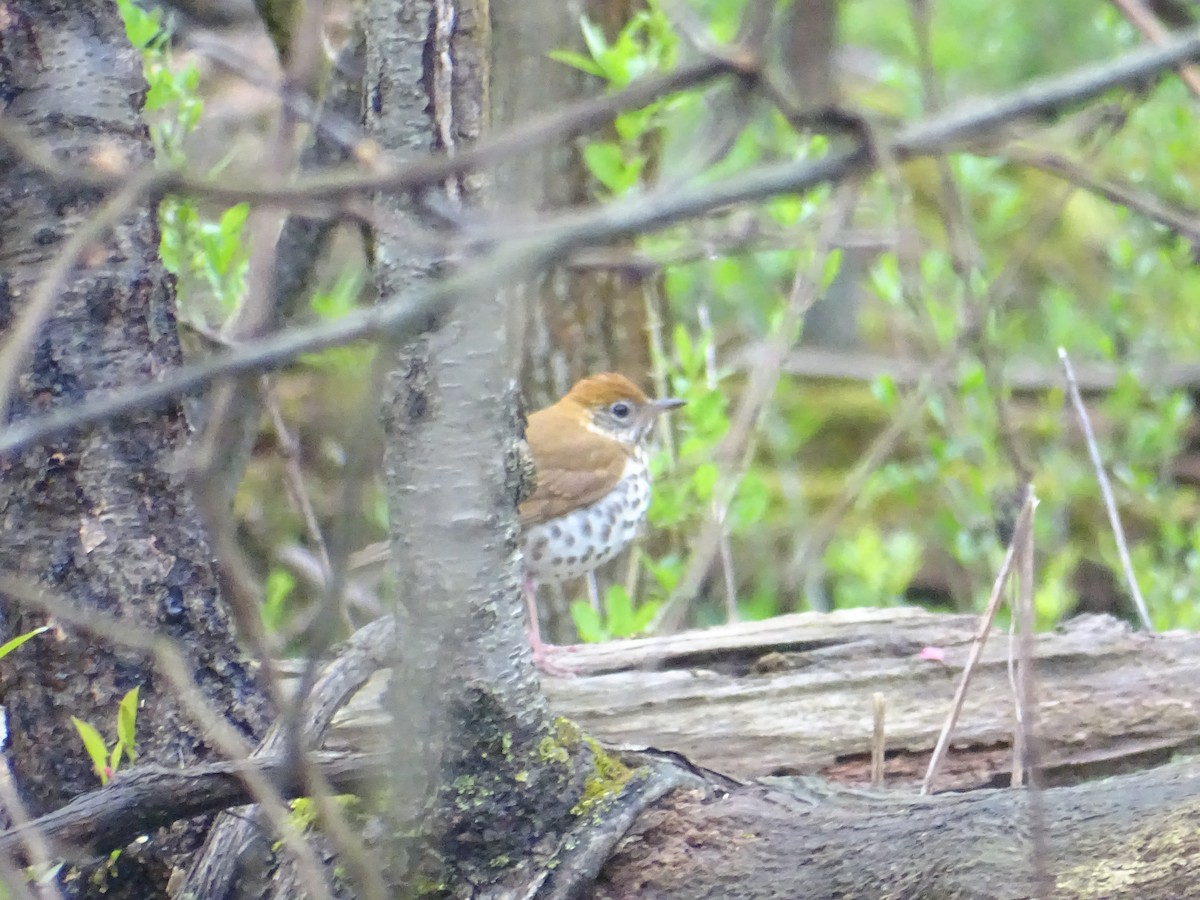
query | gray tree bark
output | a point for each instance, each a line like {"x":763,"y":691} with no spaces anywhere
{"x":471,"y":727}
{"x":567,"y":322}
{"x":1123,"y":838}
{"x":103,"y":517}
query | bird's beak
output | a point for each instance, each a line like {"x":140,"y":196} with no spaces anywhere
{"x":667,"y":404}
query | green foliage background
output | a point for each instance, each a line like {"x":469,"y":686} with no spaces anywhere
{"x":1052,"y":264}
{"x":1056,"y":265}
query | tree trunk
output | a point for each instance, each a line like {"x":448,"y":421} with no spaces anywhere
{"x":472,"y":731}
{"x":103,"y":517}
{"x":568,"y":321}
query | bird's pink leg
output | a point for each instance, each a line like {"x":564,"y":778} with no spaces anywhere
{"x":543,"y":653}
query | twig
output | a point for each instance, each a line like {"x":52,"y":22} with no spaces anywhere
{"x":305,"y":564}
{"x":762,"y":381}
{"x":1027,"y":702}
{"x":971,"y":118}
{"x":966,"y":254}
{"x":289,"y":452}
{"x":724,"y":493}
{"x":408,"y":315}
{"x":1110,"y":504}
{"x":32,"y":840}
{"x":339,"y":183}
{"x":143,"y":798}
{"x":1024,"y":523}
{"x":1184,"y":222}
{"x":822,"y":531}
{"x":367,"y":650}
{"x":1017,"y":778}
{"x":1147,"y":23}
{"x":321,"y":635}
{"x":878,"y":738}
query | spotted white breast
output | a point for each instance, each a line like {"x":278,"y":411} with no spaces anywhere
{"x":572,"y":545}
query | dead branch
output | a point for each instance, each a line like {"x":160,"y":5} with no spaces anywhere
{"x":148,"y":797}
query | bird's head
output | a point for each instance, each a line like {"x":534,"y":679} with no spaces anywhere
{"x":613,"y":406}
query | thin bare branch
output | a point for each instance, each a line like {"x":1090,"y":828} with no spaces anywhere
{"x":143,"y":798}
{"x":731,"y":453}
{"x":969,"y":119}
{"x":410,"y":315}
{"x":339,"y":183}
{"x":1024,"y":523}
{"x":878,"y":738}
{"x":32,"y":841}
{"x":1145,"y":21}
{"x":1110,"y":503}
{"x":367,"y":650}
{"x":1184,"y":222}
{"x":1027,"y":703}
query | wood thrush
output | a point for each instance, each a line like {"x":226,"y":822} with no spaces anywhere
{"x":593,"y":483}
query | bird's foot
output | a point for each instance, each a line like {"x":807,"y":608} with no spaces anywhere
{"x":550,"y":658}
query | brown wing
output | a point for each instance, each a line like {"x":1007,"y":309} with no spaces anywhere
{"x":581,"y":469}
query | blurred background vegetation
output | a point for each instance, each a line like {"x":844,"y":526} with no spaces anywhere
{"x":908,"y":401}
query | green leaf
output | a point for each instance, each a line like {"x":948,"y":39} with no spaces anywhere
{"x":704,"y":480}
{"x":685,"y":351}
{"x":587,"y":623}
{"x":606,"y":162}
{"x":833,"y":264}
{"x":667,"y":570}
{"x":619,"y":608}
{"x":885,"y":390}
{"x":633,"y":125}
{"x":593,"y":36}
{"x":611,"y":167}
{"x":141,"y":27}
{"x":341,"y":299}
{"x":9,"y":646}
{"x":749,"y":506}
{"x":96,"y":749}
{"x":644,"y":616}
{"x":127,"y":724}
{"x":280,"y":584}
{"x":577,"y":61}
{"x":233,"y":220}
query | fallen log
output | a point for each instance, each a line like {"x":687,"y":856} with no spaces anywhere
{"x":793,"y":696}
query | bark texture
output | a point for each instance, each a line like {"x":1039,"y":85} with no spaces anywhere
{"x":569,"y":321}
{"x":1130,"y":837}
{"x":793,"y":696}
{"x":103,"y":517}
{"x":474,"y":745}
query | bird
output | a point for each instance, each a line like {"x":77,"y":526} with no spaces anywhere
{"x":589,"y":454}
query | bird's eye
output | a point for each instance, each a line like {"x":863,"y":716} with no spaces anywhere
{"x":620,"y":410}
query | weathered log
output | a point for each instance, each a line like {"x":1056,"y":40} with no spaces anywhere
{"x":1134,"y":836}
{"x":1131,"y":837}
{"x":793,"y":696}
